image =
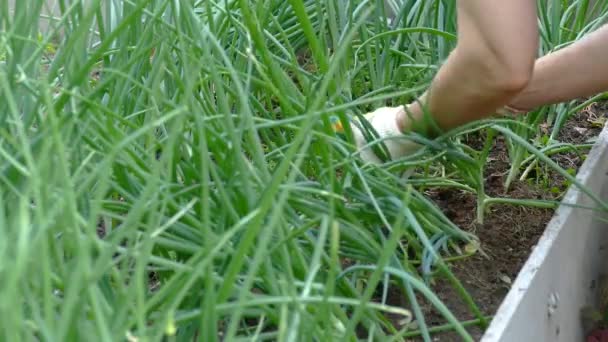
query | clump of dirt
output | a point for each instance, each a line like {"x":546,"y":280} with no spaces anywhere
{"x":581,"y":129}
{"x":585,"y":125}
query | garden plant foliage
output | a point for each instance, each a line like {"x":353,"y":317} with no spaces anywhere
{"x":168,"y":169}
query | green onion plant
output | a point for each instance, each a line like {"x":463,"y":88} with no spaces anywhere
{"x":169,"y":171}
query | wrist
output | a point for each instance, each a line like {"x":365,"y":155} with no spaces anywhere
{"x":416,"y":118}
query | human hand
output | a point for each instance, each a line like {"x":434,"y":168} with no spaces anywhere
{"x":384,"y":121}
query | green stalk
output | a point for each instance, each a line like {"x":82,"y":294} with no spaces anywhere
{"x":481,"y":195}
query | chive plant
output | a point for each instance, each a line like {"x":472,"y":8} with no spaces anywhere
{"x":168,"y":170}
{"x":424,"y":33}
{"x":561,"y":23}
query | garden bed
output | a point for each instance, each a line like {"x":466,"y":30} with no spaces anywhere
{"x":509,"y":233}
{"x":178,"y":180}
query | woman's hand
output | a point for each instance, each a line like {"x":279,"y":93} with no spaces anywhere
{"x":387,"y":122}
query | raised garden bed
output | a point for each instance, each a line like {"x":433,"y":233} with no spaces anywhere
{"x":562,"y":274}
{"x":529,"y":254}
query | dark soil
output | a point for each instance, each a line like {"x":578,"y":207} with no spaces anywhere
{"x":509,"y":233}
{"x":507,"y":237}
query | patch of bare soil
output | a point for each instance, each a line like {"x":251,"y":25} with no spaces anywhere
{"x":509,"y":232}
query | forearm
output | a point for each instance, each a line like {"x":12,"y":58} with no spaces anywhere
{"x":462,"y":91}
{"x":488,"y":67}
{"x":578,"y":70}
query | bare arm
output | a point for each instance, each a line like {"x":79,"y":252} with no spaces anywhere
{"x":578,"y":70}
{"x":492,"y":62}
{"x":493,"y":65}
